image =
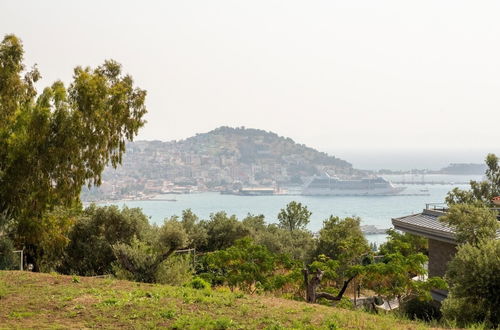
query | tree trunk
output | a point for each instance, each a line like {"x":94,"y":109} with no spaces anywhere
{"x":313,"y":283}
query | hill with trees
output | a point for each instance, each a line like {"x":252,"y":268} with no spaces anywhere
{"x":224,"y":158}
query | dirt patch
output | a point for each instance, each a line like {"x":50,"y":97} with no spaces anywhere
{"x":85,"y":299}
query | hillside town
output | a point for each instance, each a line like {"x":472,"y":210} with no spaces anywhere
{"x":224,"y":160}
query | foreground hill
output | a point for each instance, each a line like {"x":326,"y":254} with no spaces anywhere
{"x":34,"y":300}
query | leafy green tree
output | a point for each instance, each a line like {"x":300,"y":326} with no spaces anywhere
{"x":255,"y":223}
{"x":342,"y":243}
{"x":55,"y":227}
{"x":7,"y":258}
{"x":222,"y":231}
{"x":6,"y":245}
{"x":140,"y":261}
{"x":90,"y":250}
{"x":343,"y":240}
{"x":474,"y":283}
{"x":196,"y":232}
{"x":393,"y":278}
{"x":294,"y":216}
{"x":53,"y":143}
{"x":321,"y":273}
{"x":299,"y":244}
{"x":472,"y":223}
{"x":404,"y":243}
{"x":481,"y":192}
{"x":248,"y":266}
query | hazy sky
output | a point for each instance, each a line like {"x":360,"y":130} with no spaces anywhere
{"x":341,"y":76}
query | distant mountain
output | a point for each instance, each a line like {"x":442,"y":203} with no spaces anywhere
{"x":250,"y":145}
{"x":220,"y":159}
{"x":461,"y":168}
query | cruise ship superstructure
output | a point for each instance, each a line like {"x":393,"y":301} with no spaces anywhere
{"x":332,"y":186}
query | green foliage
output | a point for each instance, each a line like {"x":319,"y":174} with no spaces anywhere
{"x":176,"y":270}
{"x":54,"y":143}
{"x":172,"y":236}
{"x":54,"y":227}
{"x":199,"y":284}
{"x":222,"y":231}
{"x":474,"y":282}
{"x":403,"y":243}
{"x":472,"y":223}
{"x":196,"y":232}
{"x":392,"y":278}
{"x":481,"y":193}
{"x":95,"y":232}
{"x":247,"y":266}
{"x":141,"y":260}
{"x":3,"y":290}
{"x":327,"y":265}
{"x":7,"y":257}
{"x":135,"y":262}
{"x":342,"y":240}
{"x":256,"y":223}
{"x":294,"y":216}
{"x":299,"y":244}
{"x":421,"y":309}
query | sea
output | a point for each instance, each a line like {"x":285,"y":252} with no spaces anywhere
{"x":373,"y":210}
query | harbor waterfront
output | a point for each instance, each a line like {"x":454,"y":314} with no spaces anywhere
{"x":373,"y":210}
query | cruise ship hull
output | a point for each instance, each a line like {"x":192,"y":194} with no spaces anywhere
{"x":352,"y":192}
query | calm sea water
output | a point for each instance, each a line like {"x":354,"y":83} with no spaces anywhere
{"x":373,"y":210}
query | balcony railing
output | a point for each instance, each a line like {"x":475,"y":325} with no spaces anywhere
{"x":443,"y":207}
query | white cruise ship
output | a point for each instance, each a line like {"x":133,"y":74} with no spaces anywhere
{"x":332,"y":186}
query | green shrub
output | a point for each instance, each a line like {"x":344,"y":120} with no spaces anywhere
{"x":176,"y":270}
{"x":90,"y":251}
{"x":421,"y":309}
{"x":223,"y":323}
{"x":3,"y":290}
{"x":199,"y":284}
{"x":168,"y":314}
{"x":7,"y":257}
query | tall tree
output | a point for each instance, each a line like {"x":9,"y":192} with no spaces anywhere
{"x":471,"y":223}
{"x":294,"y":216}
{"x":54,"y":143}
{"x":481,"y":192}
{"x":342,"y":240}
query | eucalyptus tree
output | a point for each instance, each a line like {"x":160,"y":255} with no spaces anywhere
{"x":53,"y":143}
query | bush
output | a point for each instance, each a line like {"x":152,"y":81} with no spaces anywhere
{"x":90,"y":249}
{"x":176,"y":270}
{"x":134,"y":262}
{"x":199,"y":284}
{"x":422,"y":310}
{"x":7,"y":257}
{"x":474,"y":281}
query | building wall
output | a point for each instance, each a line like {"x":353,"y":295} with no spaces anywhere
{"x":440,"y":253}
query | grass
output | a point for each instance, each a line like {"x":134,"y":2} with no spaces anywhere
{"x":31,"y":300}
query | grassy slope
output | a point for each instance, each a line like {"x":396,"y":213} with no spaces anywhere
{"x":29,"y":300}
